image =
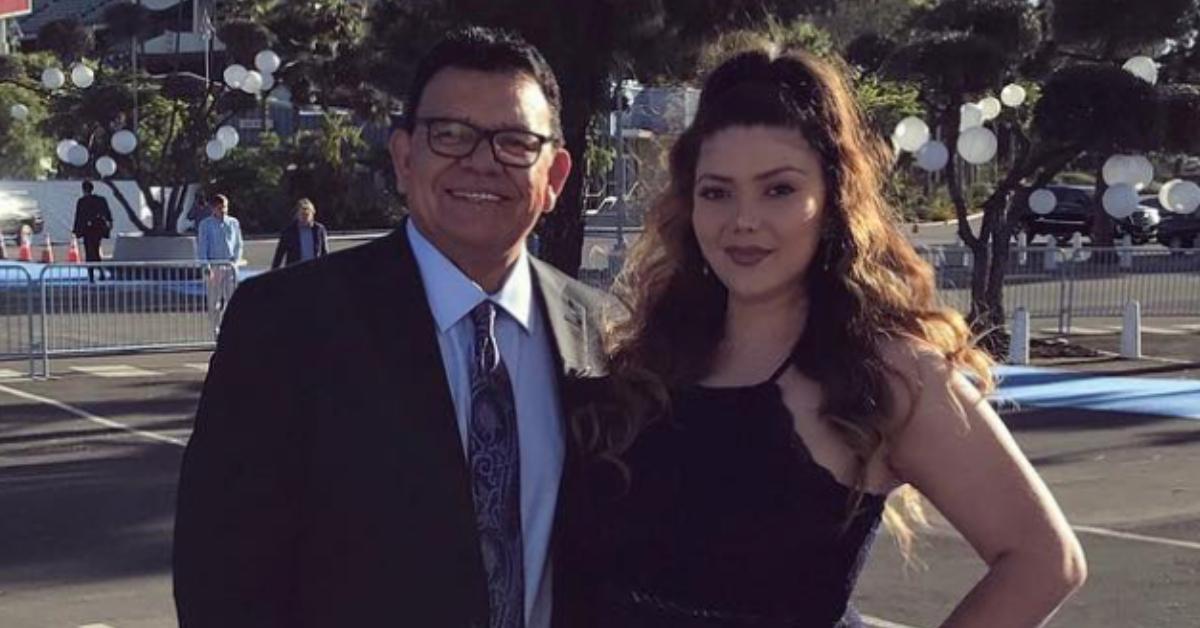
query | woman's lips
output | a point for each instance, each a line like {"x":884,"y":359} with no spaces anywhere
{"x":746,"y":255}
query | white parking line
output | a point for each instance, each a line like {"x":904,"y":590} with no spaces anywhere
{"x":1129,"y":536}
{"x":115,"y":370}
{"x":11,"y":374}
{"x":199,"y":366}
{"x":876,"y":622}
{"x":88,"y":416}
{"x":95,"y":626}
{"x":1164,"y":331}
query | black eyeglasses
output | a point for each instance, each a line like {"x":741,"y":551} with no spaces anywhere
{"x":457,"y":139}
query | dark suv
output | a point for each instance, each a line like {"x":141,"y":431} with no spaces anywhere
{"x":1073,"y":214}
{"x":1179,"y":231}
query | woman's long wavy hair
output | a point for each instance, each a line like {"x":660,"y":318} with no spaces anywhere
{"x":866,"y":284}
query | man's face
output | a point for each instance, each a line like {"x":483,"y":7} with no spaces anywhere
{"x":220,"y":209}
{"x":473,"y":207}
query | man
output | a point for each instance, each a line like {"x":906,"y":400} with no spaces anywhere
{"x":373,"y":473}
{"x":302,"y":240}
{"x":219,"y":241}
{"x":93,"y":223}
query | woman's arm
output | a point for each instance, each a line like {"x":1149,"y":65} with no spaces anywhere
{"x":957,"y":452}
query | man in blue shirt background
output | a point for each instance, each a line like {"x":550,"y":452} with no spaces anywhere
{"x":219,"y":240}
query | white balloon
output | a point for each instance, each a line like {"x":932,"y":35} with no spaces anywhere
{"x":268,"y":81}
{"x":78,"y":155}
{"x":1142,"y":67}
{"x":215,"y":150}
{"x":1120,"y":200}
{"x":106,"y":166}
{"x":124,"y":141}
{"x":82,"y":76}
{"x":1042,"y":201}
{"x":228,"y":137}
{"x":234,"y":75}
{"x":53,"y":78}
{"x":1164,"y":194}
{"x":970,"y":115}
{"x":1012,"y":95}
{"x":1185,"y":197}
{"x":266,"y":61}
{"x":252,"y":82}
{"x":18,"y":111}
{"x":990,"y":107}
{"x":911,"y":134}
{"x":63,"y":149}
{"x":977,"y":145}
{"x":1134,"y":170}
{"x":932,"y":156}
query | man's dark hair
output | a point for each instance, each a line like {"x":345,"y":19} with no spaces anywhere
{"x":88,"y":187}
{"x":485,"y":50}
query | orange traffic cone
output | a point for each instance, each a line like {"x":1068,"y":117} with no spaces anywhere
{"x":48,"y":252}
{"x":24,"y":251}
{"x":73,"y":251}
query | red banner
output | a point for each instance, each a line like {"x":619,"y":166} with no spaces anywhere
{"x":13,"y":8}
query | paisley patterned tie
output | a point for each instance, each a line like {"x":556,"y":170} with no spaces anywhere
{"x":496,"y":473}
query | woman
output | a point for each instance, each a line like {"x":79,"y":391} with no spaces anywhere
{"x":303,"y":239}
{"x":807,"y":373}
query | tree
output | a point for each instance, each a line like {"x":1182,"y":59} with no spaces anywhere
{"x":590,"y":45}
{"x":23,"y":144}
{"x":959,"y":49}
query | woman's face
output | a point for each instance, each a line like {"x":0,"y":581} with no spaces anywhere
{"x":759,"y":200}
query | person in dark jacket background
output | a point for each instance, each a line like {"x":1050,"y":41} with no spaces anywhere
{"x":93,"y":223}
{"x":302,"y":240}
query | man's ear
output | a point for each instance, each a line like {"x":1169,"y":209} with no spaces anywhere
{"x":560,"y":169}
{"x":400,"y":147}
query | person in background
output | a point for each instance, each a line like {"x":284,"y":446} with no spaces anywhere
{"x":303,"y":239}
{"x":198,"y":212}
{"x":93,"y":223}
{"x":219,"y":241}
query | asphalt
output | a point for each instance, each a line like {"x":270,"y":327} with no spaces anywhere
{"x":88,"y":466}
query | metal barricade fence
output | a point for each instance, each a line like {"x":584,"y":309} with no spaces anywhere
{"x":1100,"y":281}
{"x":1055,"y":283}
{"x":18,"y":297}
{"x":112,"y":307}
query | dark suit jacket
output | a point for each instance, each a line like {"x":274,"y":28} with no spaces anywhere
{"x":93,"y":219}
{"x":333,"y":491}
{"x":288,"y":250}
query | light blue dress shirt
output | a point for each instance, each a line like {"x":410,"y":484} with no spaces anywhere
{"x":219,"y":240}
{"x":522,"y":334}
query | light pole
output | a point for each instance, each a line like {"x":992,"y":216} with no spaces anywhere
{"x":620,"y":99}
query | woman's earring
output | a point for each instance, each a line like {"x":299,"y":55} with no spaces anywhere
{"x":705,"y":270}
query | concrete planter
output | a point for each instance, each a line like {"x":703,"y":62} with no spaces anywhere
{"x":146,"y":248}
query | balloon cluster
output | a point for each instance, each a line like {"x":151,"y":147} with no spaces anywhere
{"x":976,"y":143}
{"x":68,"y":150}
{"x":255,"y":82}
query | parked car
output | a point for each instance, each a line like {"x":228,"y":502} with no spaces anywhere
{"x":1073,"y":214}
{"x":1179,"y":231}
{"x":1142,"y":224}
{"x":16,"y":211}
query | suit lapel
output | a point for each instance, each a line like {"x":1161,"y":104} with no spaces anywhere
{"x":568,"y":323}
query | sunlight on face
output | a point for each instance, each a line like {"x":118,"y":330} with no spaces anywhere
{"x":759,"y":200}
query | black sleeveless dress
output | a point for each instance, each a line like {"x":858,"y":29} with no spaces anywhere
{"x":725,"y":521}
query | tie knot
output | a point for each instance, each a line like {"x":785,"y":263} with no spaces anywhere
{"x":484,"y":317}
{"x":486,"y":353}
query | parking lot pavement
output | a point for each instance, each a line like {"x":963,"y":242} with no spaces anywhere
{"x":89,"y":460}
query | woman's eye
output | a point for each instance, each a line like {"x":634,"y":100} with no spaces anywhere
{"x":781,"y":189}
{"x":712,"y":194}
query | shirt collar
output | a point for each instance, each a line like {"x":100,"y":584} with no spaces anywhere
{"x":452,"y":295}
